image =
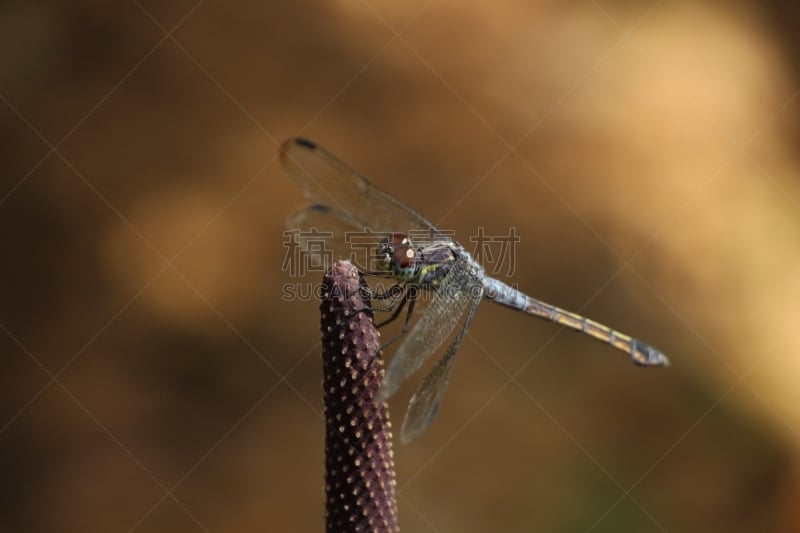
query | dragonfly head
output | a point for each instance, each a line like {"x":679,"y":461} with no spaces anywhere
{"x":397,"y":256}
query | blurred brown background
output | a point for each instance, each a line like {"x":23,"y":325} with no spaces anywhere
{"x":154,"y":380}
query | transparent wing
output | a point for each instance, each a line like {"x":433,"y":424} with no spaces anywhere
{"x":326,"y":235}
{"x":429,"y":332}
{"x":424,"y":405}
{"x":326,"y":181}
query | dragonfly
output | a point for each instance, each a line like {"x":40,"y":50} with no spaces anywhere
{"x":343,"y":202}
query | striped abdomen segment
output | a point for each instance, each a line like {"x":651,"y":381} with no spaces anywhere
{"x":639,"y":352}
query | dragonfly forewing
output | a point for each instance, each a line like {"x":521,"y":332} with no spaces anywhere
{"x":327,"y":181}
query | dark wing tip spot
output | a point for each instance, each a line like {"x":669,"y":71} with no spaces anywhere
{"x":302,"y":141}
{"x":320,"y":208}
{"x":289,"y":143}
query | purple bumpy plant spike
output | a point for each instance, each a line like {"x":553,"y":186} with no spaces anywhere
{"x":359,"y":467}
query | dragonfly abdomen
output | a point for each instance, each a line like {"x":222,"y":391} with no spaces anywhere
{"x":639,"y":352}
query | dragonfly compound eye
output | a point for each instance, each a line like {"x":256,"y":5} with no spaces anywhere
{"x":396,"y":255}
{"x":403,"y":263}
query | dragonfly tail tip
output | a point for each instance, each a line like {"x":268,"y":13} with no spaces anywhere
{"x":644,"y":355}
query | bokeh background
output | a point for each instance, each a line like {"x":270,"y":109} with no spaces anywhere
{"x":153,"y":378}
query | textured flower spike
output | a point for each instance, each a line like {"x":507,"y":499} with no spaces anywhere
{"x":359,"y":468}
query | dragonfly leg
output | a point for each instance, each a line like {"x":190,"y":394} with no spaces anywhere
{"x":391,"y":292}
{"x":411,"y":294}
{"x":395,"y":293}
{"x":397,"y":310}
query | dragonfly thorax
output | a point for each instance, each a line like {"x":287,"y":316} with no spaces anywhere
{"x":396,"y":254}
